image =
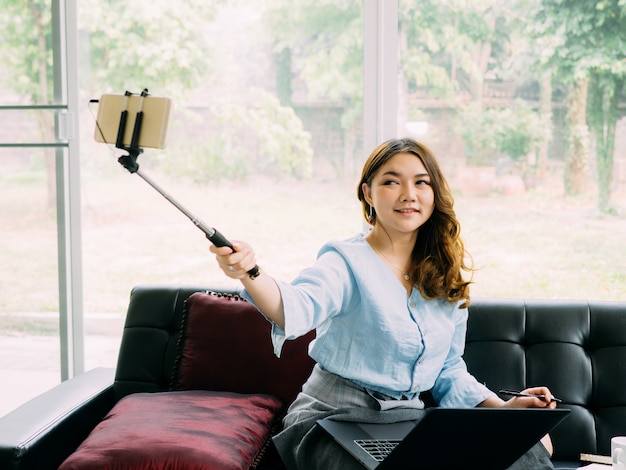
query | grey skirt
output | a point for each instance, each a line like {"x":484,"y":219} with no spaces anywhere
{"x":305,"y":446}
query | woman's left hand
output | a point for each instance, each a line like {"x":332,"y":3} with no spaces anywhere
{"x":544,"y":399}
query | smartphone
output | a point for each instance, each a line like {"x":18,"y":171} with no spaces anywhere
{"x":156,"y":116}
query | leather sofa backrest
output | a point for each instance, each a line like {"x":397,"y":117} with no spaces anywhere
{"x":576,"y":348}
{"x":149,"y":342}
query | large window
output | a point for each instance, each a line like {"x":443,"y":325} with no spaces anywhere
{"x":276,"y":103}
{"x":40,"y":305}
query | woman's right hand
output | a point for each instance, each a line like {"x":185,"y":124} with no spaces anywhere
{"x":235,"y":264}
{"x":262,"y":288}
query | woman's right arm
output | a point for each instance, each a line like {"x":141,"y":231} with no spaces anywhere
{"x":263,"y":289}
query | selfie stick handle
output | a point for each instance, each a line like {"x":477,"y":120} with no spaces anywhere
{"x":130,"y":163}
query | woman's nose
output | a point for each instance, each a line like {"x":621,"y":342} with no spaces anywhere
{"x":408,"y":192}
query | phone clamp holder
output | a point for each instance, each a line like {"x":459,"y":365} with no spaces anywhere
{"x":130,"y":161}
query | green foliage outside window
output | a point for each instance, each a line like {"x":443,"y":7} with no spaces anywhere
{"x":493,"y":133}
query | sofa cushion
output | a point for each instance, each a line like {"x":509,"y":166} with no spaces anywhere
{"x":192,"y":430}
{"x":225,"y":344}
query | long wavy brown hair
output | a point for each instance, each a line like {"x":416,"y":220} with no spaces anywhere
{"x":439,"y":260}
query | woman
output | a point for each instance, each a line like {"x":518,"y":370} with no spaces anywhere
{"x":390,"y":310}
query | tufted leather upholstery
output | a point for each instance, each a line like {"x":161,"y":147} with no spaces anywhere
{"x":150,"y":338}
{"x":576,"y":348}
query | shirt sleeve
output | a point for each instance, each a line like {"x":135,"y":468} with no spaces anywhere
{"x":455,"y":386}
{"x":312,"y":298}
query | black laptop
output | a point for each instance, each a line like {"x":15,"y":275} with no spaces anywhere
{"x":447,"y":438}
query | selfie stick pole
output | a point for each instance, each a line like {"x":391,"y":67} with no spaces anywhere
{"x":130,"y":163}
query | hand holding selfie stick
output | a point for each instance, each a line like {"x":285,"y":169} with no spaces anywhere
{"x":130,"y":163}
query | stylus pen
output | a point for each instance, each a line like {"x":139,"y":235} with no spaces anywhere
{"x":527,"y":395}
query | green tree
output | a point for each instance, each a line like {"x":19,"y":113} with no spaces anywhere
{"x":328,"y":38}
{"x":318,"y":51}
{"x":592,"y":60}
{"x":606,"y":84}
{"x":530,"y":65}
{"x":26,"y":36}
{"x":157,"y":44}
{"x":451,"y":45}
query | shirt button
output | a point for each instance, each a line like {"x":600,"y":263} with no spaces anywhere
{"x":412,"y":305}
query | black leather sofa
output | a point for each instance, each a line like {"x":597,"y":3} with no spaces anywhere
{"x":577,"y":348}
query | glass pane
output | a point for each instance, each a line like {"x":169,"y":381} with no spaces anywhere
{"x":27,"y":126}
{"x":29,"y":312}
{"x":29,"y":307}
{"x":480,"y":86}
{"x":263,"y":143}
{"x":26,"y":53}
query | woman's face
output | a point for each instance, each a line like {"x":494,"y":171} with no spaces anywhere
{"x":401,"y":194}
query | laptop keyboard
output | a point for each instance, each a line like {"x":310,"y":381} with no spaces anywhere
{"x":378,"y":449}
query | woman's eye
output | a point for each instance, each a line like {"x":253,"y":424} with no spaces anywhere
{"x":421,"y":182}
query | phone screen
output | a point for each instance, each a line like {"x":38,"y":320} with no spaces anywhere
{"x":156,"y":115}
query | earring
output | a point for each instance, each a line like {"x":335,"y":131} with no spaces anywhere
{"x":370,"y":218}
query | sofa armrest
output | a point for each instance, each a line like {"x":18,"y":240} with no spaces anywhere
{"x":41,"y":433}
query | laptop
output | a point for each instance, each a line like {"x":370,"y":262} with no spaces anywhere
{"x":445,"y":438}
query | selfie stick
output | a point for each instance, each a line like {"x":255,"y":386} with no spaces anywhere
{"x":130,"y":163}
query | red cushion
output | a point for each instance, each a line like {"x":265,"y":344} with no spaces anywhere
{"x":195,"y":430}
{"x":226,"y":345}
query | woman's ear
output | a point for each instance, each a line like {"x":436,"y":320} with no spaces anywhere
{"x":367,"y":193}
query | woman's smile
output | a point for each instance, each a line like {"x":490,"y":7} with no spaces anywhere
{"x":407,"y":211}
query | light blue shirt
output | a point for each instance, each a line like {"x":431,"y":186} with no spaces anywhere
{"x":371,"y":332}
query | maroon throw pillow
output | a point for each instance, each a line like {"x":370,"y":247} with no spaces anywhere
{"x":195,"y":430}
{"x":225,"y":344}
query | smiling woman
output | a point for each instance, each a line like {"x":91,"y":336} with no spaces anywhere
{"x":266,"y":141}
{"x":412,"y":327}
